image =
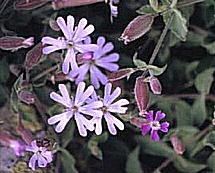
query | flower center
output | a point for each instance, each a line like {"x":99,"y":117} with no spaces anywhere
{"x":70,"y":44}
{"x":88,"y":56}
{"x":104,"y":109}
{"x":155,"y":125}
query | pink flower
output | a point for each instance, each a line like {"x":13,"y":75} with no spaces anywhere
{"x":154,"y":125}
{"x":41,"y":155}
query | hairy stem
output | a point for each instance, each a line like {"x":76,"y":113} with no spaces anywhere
{"x":160,"y":41}
{"x":44,"y":73}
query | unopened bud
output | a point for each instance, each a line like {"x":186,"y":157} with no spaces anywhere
{"x":177,"y":145}
{"x":155,"y":85}
{"x":14,"y":43}
{"x":120,"y":74}
{"x":26,"y":97}
{"x":58,"y":4}
{"x":28,"y":4}
{"x":137,"y":28}
{"x":137,"y":121}
{"x":141,"y":92}
{"x":33,"y":56}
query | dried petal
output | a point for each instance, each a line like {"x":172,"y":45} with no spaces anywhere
{"x":27,"y":97}
{"x":28,"y":4}
{"x":33,"y":56}
{"x":58,"y":4}
{"x":141,"y":92}
{"x":177,"y":145}
{"x":137,"y":28}
{"x":155,"y":85}
{"x":14,"y":43}
{"x":114,"y":76}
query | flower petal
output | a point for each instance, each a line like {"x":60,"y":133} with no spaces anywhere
{"x":114,"y":57}
{"x":70,"y":25}
{"x":64,"y":92}
{"x":81,"y":128}
{"x":149,"y":116}
{"x":48,"y":155}
{"x":108,"y":66}
{"x":42,"y":162}
{"x":62,"y":24}
{"x":145,"y":129}
{"x":49,"y":49}
{"x":58,"y":98}
{"x":82,"y":48}
{"x":154,"y":135}
{"x":32,"y":162}
{"x":98,"y":128}
{"x":159,"y":115}
{"x":164,"y":127}
{"x":117,"y":106}
{"x":79,"y":92}
{"x":116,"y":93}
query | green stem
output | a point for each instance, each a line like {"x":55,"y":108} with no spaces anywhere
{"x":160,"y":41}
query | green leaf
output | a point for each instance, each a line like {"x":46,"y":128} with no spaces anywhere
{"x":210,"y":47}
{"x":184,"y":165}
{"x":133,"y":164}
{"x":211,"y":161}
{"x":154,"y":4}
{"x":138,"y":63}
{"x":182,"y":113}
{"x":178,"y":26}
{"x":67,"y":161}
{"x":198,"y":111}
{"x":156,"y":71}
{"x":146,"y":9}
{"x":154,"y":148}
{"x":210,"y":140}
{"x":204,"y":80}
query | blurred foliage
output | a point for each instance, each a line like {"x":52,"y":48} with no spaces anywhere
{"x":185,"y":64}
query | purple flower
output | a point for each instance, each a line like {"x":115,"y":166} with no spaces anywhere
{"x":73,"y":41}
{"x":108,"y":108}
{"x":75,"y":107}
{"x":41,"y":155}
{"x":101,"y":58}
{"x":154,"y":125}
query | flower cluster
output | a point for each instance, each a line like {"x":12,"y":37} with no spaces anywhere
{"x":86,"y":102}
{"x":76,"y":41}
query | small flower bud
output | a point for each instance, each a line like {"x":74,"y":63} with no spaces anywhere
{"x":33,"y":56}
{"x":26,"y":97}
{"x":58,"y":4}
{"x":14,"y":43}
{"x":155,"y":85}
{"x":58,"y":77}
{"x":177,"y":145}
{"x":141,"y":92}
{"x":28,"y":4}
{"x":137,"y":28}
{"x":137,"y":121}
{"x":120,"y":74}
